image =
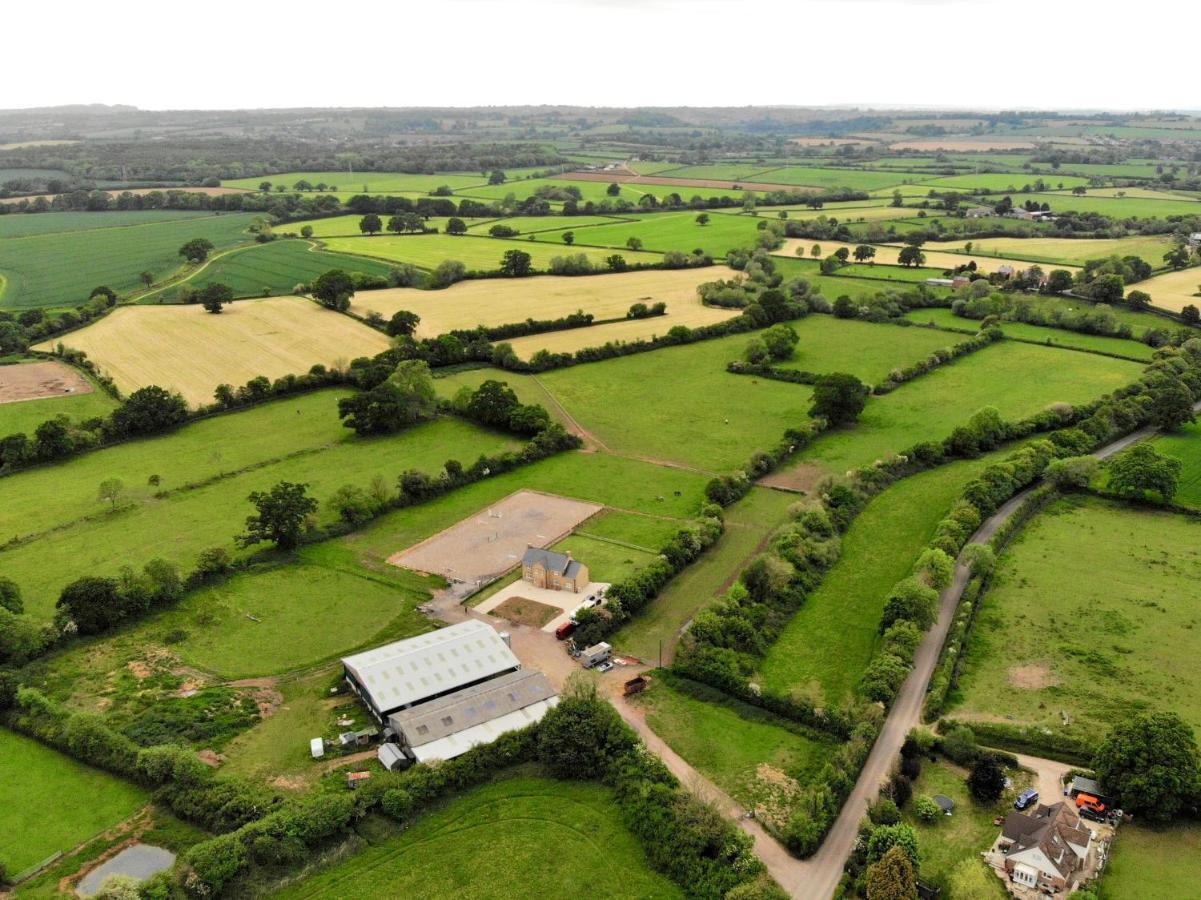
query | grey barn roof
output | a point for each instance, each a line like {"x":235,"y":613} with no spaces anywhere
{"x":552,"y":560}
{"x":470,"y":707}
{"x":430,"y":665}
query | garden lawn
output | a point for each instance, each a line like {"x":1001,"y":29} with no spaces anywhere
{"x":1185,"y":445}
{"x":1054,"y":337}
{"x":60,"y":269}
{"x":50,"y":803}
{"x":741,"y":748}
{"x":477,"y":253}
{"x":830,"y":641}
{"x":521,"y":836}
{"x":1091,"y":615}
{"x":1154,"y":865}
{"x":748,"y":524}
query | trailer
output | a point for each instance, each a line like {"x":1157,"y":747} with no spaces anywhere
{"x":595,"y":655}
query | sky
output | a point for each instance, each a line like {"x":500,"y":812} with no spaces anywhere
{"x":231,"y":54}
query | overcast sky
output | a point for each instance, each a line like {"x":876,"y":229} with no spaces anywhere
{"x":223,"y":54}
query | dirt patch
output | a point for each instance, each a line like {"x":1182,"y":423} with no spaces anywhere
{"x":523,"y":611}
{"x":210,"y":758}
{"x":268,"y":701}
{"x":37,"y":381}
{"x":141,"y":671}
{"x":666,"y":181}
{"x":289,"y":782}
{"x":777,"y":795}
{"x":802,"y":478}
{"x":1032,"y":677}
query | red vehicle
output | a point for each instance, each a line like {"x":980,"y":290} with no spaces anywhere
{"x":1090,"y":806}
{"x":563,"y":632}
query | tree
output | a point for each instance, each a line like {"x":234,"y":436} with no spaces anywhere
{"x":616,"y":263}
{"x":265,"y":187}
{"x":568,"y":238}
{"x":898,"y":198}
{"x":10,"y":596}
{"x":633,"y":243}
{"x":1072,"y":473}
{"x":864,"y":252}
{"x":1150,"y":763}
{"x":148,"y":410}
{"x":613,"y":189}
{"x":1138,"y":300}
{"x":447,"y":273}
{"x":516,"y":263}
{"x":1107,"y":288}
{"x":1058,"y":281}
{"x":583,"y":735}
{"x":93,"y":604}
{"x":986,"y":781}
{"x":911,"y":256}
{"x":1142,"y":468}
{"x":927,"y":810}
{"x":334,"y":289}
{"x":886,"y":837}
{"x":497,"y":177}
{"x":110,"y":490}
{"x":215,"y":295}
{"x":306,"y":231}
{"x":755,"y":352}
{"x":147,"y":278}
{"x":1172,"y":405}
{"x":838,"y":398}
{"x":403,"y":323}
{"x":815,"y":251}
{"x":780,"y":340}
{"x":455,"y":225}
{"x":702,"y":219}
{"x":280,"y":517}
{"x":371,"y":224}
{"x":892,"y":878}
{"x":1190,"y":315}
{"x":196,"y":250}
{"x":910,"y":601}
{"x":404,"y":398}
{"x":1177,"y":257}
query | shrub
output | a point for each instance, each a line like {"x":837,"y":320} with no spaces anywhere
{"x":927,"y":810}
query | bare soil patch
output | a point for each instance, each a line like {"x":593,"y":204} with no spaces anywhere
{"x":492,"y":541}
{"x":803,"y":478}
{"x":37,"y":381}
{"x":666,"y":181}
{"x":1032,"y":677}
{"x":523,"y":611}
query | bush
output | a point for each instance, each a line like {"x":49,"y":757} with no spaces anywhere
{"x":927,"y":810}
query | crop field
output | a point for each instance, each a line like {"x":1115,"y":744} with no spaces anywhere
{"x":1130,"y":572}
{"x":1056,"y":337}
{"x":38,"y":778}
{"x":848,"y":214}
{"x":208,"y":475}
{"x":691,"y":315}
{"x":930,"y":407}
{"x":830,"y":641}
{"x":998,"y":183}
{"x":832,"y":179}
{"x":744,"y":750}
{"x":1071,"y":251}
{"x":35,"y":276}
{"x":888,"y":255}
{"x":749,"y":171}
{"x":532,"y":836}
{"x":185,"y":349}
{"x":1172,"y":854}
{"x":499,"y":301}
{"x":1174,"y":291}
{"x":275,"y":268}
{"x":477,"y":253}
{"x":364,"y":182}
{"x":1185,"y":445}
{"x":25,"y":225}
{"x":21,"y":410}
{"x":596,"y":191}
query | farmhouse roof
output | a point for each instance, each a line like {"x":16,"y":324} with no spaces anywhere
{"x":1055,"y":830}
{"x":552,"y":560}
{"x":450,"y":726}
{"x":430,"y":665}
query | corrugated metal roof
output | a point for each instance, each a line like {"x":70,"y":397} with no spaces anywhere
{"x":470,"y":707}
{"x":457,"y":744}
{"x":414,"y":669}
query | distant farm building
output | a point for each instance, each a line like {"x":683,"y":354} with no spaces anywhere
{"x":553,"y":571}
{"x":979,"y":212}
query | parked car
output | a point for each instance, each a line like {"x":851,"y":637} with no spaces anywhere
{"x":1091,"y":808}
{"x":605,"y":666}
{"x":1026,"y":798}
{"x":563,"y":632}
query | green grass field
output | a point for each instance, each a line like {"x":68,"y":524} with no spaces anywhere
{"x":1001,"y":183}
{"x":519,"y":836}
{"x":61,"y":269}
{"x":481,"y":254}
{"x":1185,"y":445}
{"x":1129,"y":575}
{"x":674,"y":231}
{"x":730,"y":742}
{"x":20,"y":225}
{"x":42,"y":812}
{"x":1057,"y":337}
{"x":749,"y":522}
{"x":276,"y":268}
{"x":1118,"y":208}
{"x":209,"y":469}
{"x":364,"y":182}
{"x":1173,"y":855}
{"x":830,"y":640}
{"x":830,"y":179}
{"x":596,"y":191}
{"x":1070,"y":251}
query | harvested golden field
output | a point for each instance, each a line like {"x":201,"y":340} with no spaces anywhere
{"x":188,"y":350}
{"x":1174,"y":290}
{"x":499,"y":301}
{"x":1054,"y":251}
{"x":627,"y":330}
{"x":886,"y":254}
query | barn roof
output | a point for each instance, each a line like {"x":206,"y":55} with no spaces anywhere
{"x":553,"y":560}
{"x":430,"y":665}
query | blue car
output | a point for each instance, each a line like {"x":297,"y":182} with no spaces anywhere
{"x":1026,"y":798}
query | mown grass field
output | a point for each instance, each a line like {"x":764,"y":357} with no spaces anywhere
{"x":1173,"y":855}
{"x":741,"y":748}
{"x":1090,"y":615}
{"x":830,"y":640}
{"x":830,"y":178}
{"x":676,"y":231}
{"x":497,"y":301}
{"x":18,"y":225}
{"x":209,"y":473}
{"x":597,"y":191}
{"x":1070,"y":251}
{"x":364,"y":182}
{"x":748,"y":523}
{"x":1115,"y":207}
{"x":60,"y":269}
{"x":26,"y":415}
{"x":1001,"y":182}
{"x":1057,"y":337}
{"x":477,"y":253}
{"x":52,"y":803}
{"x":519,"y":836}
{"x":271,"y":269}
{"x":186,"y":349}
{"x":866,"y":350}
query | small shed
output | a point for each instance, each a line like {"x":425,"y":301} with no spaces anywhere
{"x":945,"y":803}
{"x":391,"y":757}
{"x":1083,"y":785}
{"x":317,"y":748}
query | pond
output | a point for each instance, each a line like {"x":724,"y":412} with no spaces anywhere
{"x":137,"y":860}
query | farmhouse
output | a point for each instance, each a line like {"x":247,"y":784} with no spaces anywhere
{"x":553,"y":571}
{"x":1049,"y":850}
{"x":979,"y":212}
{"x":424,"y":668}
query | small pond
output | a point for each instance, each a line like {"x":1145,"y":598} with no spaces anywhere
{"x":137,"y":860}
